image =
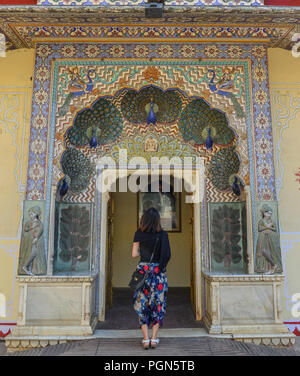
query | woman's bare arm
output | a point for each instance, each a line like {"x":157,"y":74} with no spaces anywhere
{"x":135,"y":249}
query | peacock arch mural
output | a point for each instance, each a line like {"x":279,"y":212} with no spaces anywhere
{"x":182,"y":126}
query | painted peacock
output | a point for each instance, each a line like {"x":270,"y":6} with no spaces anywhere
{"x":77,"y":87}
{"x":223,"y":87}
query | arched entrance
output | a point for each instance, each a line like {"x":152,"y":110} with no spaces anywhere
{"x":118,"y":223}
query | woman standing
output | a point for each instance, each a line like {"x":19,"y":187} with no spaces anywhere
{"x":150,"y":302}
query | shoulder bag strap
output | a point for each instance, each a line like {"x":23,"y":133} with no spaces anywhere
{"x":156,"y":241}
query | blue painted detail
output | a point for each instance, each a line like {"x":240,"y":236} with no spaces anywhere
{"x":93,"y":142}
{"x":63,"y":188}
{"x":235,"y":187}
{"x":209,"y":141}
{"x":151,"y":119}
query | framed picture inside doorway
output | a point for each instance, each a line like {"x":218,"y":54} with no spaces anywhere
{"x":167,"y":203}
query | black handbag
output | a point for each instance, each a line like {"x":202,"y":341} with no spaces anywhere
{"x":138,"y":279}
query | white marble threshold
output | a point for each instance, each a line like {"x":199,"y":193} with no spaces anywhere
{"x":163,"y":333}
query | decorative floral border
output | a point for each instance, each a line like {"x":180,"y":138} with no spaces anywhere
{"x":115,"y":32}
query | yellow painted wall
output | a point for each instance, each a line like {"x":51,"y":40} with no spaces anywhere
{"x":16,"y":71}
{"x":125,"y":225}
{"x":284,"y":73}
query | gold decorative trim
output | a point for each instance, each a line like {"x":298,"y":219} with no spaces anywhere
{"x":105,"y":40}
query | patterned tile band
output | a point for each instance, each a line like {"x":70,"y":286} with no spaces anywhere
{"x":161,"y":33}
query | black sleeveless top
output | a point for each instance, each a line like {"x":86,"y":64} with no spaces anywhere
{"x":147,"y":243}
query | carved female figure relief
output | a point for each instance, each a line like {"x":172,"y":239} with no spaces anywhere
{"x":268,"y":252}
{"x":32,"y":258}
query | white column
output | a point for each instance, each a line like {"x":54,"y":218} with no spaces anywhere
{"x":197,"y":277}
{"x":51,"y":229}
{"x":102,"y":261}
{"x":250,"y":248}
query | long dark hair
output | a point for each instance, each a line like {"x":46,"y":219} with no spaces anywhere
{"x":150,"y":221}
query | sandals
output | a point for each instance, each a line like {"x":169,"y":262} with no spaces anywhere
{"x":154,"y":343}
{"x":146,"y":343}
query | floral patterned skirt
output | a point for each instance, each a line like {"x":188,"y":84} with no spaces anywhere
{"x":150,"y":303}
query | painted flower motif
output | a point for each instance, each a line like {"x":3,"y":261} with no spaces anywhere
{"x":159,"y":286}
{"x":43,"y":50}
{"x":35,"y":195}
{"x":38,"y":146}
{"x":259,"y":74}
{"x":165,"y":50}
{"x":211,"y":51}
{"x":36,"y":172}
{"x":146,"y":267}
{"x":151,"y":74}
{"x":68,"y":50}
{"x":141,"y":272}
{"x":265,"y":171}
{"x":258,"y":51}
{"x":92,"y":50}
{"x":267,"y":196}
{"x":159,"y":308}
{"x":117,"y":50}
{"x":141,"y":51}
{"x":41,"y":97}
{"x":156,"y":269}
{"x":235,"y":51}
{"x":263,"y":145}
{"x":188,"y":51}
{"x":262,"y":121}
{"x":146,"y":292}
{"x":39,"y":122}
{"x":261,"y":97}
{"x":42,"y":74}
